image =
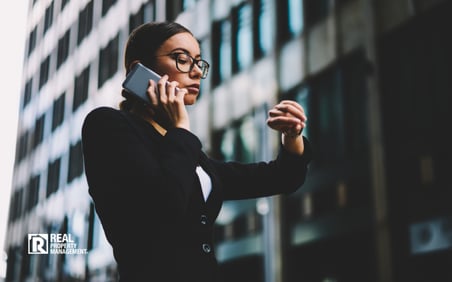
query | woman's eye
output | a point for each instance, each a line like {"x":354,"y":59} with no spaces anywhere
{"x":182,"y":60}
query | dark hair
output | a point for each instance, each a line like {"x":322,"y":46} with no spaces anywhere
{"x":144,"y":41}
{"x":142,"y":45}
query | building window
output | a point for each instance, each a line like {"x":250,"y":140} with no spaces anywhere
{"x":108,"y":61}
{"x":20,"y":209}
{"x":58,"y":111}
{"x":12,"y":207}
{"x":136,"y":19}
{"x":295,"y":19}
{"x":187,"y":4}
{"x":290,"y":19}
{"x":44,"y":72}
{"x":246,"y":140}
{"x":81,"y":86}
{"x":222,"y":51}
{"x":75,"y":162}
{"x":106,"y":5}
{"x":303,"y":98}
{"x":63,"y":48}
{"x":355,"y":105}
{"x":315,"y":10}
{"x":335,"y":105}
{"x":264,"y":27}
{"x":22,"y":149}
{"x":85,"y":22}
{"x":243,"y":37}
{"x":53,"y":176}
{"x":145,"y":14}
{"x":94,"y":227}
{"x":27,"y":92}
{"x":32,"y":40}
{"x":48,"y":18}
{"x":327,"y":117}
{"x":33,"y":192}
{"x":173,"y":9}
{"x":16,"y":207}
{"x":38,"y":135}
{"x":63,"y":4}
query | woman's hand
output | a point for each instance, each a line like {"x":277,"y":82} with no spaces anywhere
{"x":289,"y":118}
{"x":169,"y":101}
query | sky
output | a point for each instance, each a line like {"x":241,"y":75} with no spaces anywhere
{"x":12,"y":34}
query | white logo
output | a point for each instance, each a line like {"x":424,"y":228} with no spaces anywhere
{"x":58,"y":244}
{"x":38,"y":243}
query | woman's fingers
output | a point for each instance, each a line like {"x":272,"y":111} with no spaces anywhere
{"x":288,"y":117}
{"x":152,"y":93}
{"x":167,"y":90}
{"x":171,"y":91}
{"x":161,"y":86}
{"x":282,"y":121}
{"x":169,"y":99}
{"x":180,"y":93}
{"x":291,"y":108}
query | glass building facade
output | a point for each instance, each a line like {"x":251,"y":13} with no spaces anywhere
{"x":373,"y":77}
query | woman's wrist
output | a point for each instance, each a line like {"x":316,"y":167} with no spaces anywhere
{"x":293,"y":143}
{"x":291,"y":134}
{"x":183,"y":124}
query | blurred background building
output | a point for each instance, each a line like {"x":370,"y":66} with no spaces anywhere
{"x":375,"y":78}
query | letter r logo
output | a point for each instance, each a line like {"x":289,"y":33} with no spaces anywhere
{"x":38,"y":243}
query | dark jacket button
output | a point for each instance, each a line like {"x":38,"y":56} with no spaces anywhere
{"x":203,"y":219}
{"x":206,"y":248}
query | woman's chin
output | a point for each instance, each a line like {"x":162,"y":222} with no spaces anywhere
{"x":190,"y":99}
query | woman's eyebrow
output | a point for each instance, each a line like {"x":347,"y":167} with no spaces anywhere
{"x":185,"y":51}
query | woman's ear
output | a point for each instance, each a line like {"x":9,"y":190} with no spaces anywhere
{"x":131,"y":65}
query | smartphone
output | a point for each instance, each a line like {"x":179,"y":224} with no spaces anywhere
{"x":137,"y":81}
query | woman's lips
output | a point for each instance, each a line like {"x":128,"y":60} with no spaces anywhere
{"x":193,"y":89}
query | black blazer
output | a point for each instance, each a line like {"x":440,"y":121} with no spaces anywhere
{"x":148,"y":196}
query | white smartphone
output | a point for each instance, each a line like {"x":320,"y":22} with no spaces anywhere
{"x":137,"y":81}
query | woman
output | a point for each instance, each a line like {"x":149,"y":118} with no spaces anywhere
{"x":156,"y":193}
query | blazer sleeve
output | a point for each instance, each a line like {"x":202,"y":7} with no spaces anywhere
{"x":283,"y":175}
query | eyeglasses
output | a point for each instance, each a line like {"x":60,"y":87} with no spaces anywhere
{"x":185,"y":63}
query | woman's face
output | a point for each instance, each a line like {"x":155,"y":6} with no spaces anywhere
{"x":166,"y":63}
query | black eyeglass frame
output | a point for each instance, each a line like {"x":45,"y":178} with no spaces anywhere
{"x":175,"y":56}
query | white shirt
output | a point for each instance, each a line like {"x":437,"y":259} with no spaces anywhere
{"x":206,"y":182}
